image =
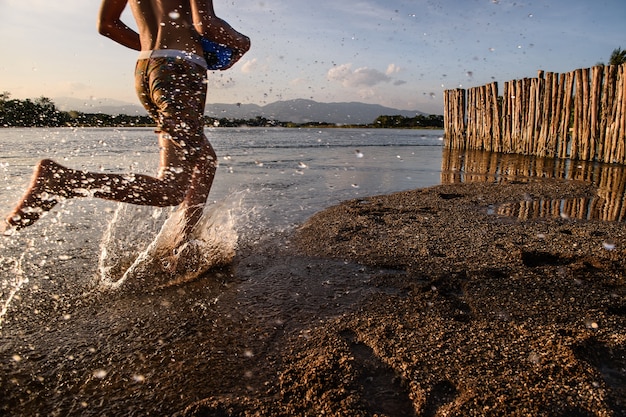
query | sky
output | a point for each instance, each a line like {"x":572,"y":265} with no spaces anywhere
{"x":397,"y":53}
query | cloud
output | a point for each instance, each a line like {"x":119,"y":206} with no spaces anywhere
{"x":219,"y":82}
{"x":392,"y":69}
{"x":249,"y":66}
{"x":299,"y":81}
{"x":358,"y":78}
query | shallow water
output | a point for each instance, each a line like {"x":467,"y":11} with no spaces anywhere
{"x":94,"y":318}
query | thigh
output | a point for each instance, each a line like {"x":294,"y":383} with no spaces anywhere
{"x":178,"y":90}
{"x":174,"y":164}
{"x":142,"y":88}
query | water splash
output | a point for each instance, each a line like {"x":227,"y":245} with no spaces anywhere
{"x":10,"y":288}
{"x":145,"y":248}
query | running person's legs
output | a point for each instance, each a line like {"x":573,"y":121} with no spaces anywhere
{"x":173,"y":91}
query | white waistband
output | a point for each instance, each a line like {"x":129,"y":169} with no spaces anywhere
{"x":174,"y":53}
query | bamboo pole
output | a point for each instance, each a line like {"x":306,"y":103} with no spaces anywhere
{"x":583,"y":123}
{"x":575,"y":147}
{"x":518,"y":118}
{"x":485,"y":128}
{"x":471,"y":118}
{"x":595,"y":111}
{"x":532,"y":116}
{"x":496,"y":122}
{"x":555,"y":106}
{"x":545,"y":109}
{"x":506,"y":118}
{"x":621,"y":115}
{"x":602,"y":122}
{"x":566,"y":112}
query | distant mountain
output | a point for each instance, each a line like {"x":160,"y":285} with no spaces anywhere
{"x":298,"y":111}
{"x":93,"y":105}
{"x":301,"y":111}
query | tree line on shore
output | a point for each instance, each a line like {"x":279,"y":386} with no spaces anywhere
{"x":42,"y":112}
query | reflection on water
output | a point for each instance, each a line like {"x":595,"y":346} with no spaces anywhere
{"x":465,"y":166}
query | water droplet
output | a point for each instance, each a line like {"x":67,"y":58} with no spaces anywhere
{"x":100,"y":373}
{"x":174,"y":15}
{"x":608,"y":245}
{"x":358,"y":154}
{"x":534,"y":358}
{"x":302,"y":165}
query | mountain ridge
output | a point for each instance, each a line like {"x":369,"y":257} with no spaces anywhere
{"x":296,"y":110}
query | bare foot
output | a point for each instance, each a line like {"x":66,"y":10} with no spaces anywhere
{"x":42,"y":194}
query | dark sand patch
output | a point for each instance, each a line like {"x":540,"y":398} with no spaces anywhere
{"x":499,"y":316}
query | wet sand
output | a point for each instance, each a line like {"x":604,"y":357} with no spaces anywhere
{"x":470,"y":299}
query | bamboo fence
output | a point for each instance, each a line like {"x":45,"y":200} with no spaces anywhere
{"x":578,"y":115}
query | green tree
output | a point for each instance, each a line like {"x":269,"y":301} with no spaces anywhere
{"x":618,"y":57}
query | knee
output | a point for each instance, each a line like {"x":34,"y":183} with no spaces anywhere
{"x":202,"y":157}
{"x":174,"y":182}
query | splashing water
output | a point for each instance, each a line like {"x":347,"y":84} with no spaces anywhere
{"x":145,"y":248}
{"x":10,"y":288}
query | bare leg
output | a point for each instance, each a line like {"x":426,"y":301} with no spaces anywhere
{"x":180,"y":179}
{"x":39,"y":197}
{"x":201,"y":182}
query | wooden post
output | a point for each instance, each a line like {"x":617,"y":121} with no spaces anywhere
{"x":496,"y":121}
{"x":620,"y":92}
{"x":566,"y":111}
{"x":506,"y":118}
{"x":595,"y":111}
{"x":578,"y":115}
{"x":555,"y":113}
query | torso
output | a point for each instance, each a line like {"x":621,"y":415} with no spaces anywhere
{"x":165,"y":24}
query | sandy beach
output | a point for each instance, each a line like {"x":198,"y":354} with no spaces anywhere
{"x":476,"y":313}
{"x":470,"y":299}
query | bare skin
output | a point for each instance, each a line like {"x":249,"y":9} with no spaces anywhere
{"x":182,"y":178}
